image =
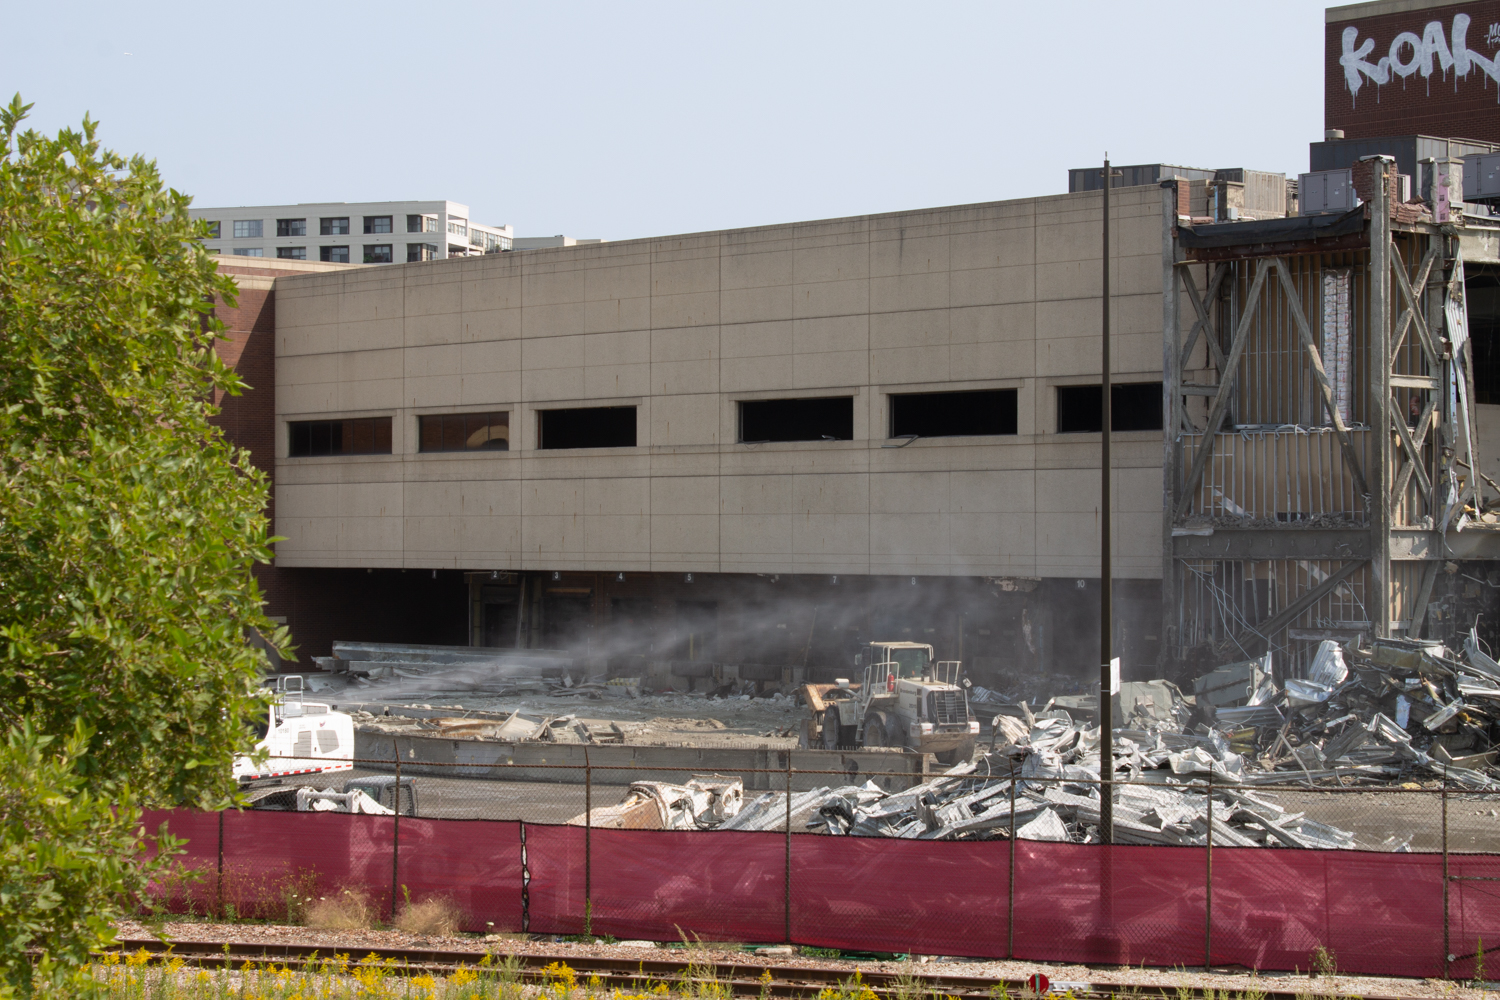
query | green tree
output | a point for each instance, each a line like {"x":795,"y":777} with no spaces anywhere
{"x":129,"y":527}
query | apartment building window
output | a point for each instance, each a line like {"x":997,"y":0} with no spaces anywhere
{"x":414,"y":223}
{"x":334,"y":255}
{"x":363,"y":436}
{"x":830,"y":419}
{"x":464,"y":432}
{"x":333,"y":227}
{"x":213,"y":230}
{"x":1134,"y":406}
{"x":247,"y":229}
{"x":587,"y":427}
{"x":291,"y":227}
{"x":420,"y":251}
{"x":378,"y":253}
{"x":249,"y":252}
{"x":377,"y":223}
{"x":953,"y":414}
{"x":458,"y":227}
{"x":292,"y":253}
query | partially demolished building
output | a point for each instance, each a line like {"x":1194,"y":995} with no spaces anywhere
{"x":1325,"y":475}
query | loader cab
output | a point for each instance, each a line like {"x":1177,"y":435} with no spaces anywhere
{"x":912,"y":659}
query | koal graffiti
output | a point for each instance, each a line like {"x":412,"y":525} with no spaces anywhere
{"x":1411,"y":54}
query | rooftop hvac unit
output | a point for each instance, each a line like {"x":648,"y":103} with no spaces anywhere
{"x":1326,"y":191}
{"x":1482,"y":177}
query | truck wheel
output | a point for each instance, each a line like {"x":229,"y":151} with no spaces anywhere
{"x":875,"y":732}
{"x":961,"y":754}
{"x":831,"y":729}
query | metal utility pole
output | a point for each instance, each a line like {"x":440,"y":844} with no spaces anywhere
{"x":1106,"y":576}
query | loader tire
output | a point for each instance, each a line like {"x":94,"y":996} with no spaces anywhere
{"x":831,"y":729}
{"x":961,"y":754}
{"x":875,"y":732}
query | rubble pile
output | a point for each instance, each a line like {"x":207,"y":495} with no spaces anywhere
{"x":1394,"y":711}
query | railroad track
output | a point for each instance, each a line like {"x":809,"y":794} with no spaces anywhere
{"x":632,"y":975}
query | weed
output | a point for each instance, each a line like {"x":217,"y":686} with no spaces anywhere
{"x":347,"y":910}
{"x":701,"y":977}
{"x":1478,"y":962}
{"x":434,"y":916}
{"x":1324,"y":962}
{"x":822,"y":953}
{"x":906,"y":986}
{"x":765,"y":984}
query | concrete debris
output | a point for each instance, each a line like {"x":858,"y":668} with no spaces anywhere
{"x":1394,"y":711}
{"x":703,"y":803}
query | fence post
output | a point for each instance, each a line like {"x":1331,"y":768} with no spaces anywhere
{"x":396,"y":830}
{"x":1447,"y":945}
{"x":588,"y":843}
{"x":525,"y":881}
{"x":787,"y":887}
{"x":219,"y":892}
{"x":1208,"y":882}
{"x":1010,"y":919}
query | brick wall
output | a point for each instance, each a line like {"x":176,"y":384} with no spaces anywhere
{"x":1441,"y":104}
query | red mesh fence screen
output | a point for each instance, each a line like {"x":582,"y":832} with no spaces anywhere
{"x":1378,"y":913}
{"x":555,"y":862}
{"x":475,"y":863}
{"x":1151,"y":903}
{"x":900,"y":895}
{"x":728,"y":886}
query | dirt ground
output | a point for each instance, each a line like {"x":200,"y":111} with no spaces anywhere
{"x":670,"y":720}
{"x":1099,"y":977}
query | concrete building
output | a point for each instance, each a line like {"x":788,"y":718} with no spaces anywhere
{"x":542,"y":242}
{"x":765,"y":446}
{"x":381,"y":232}
{"x":753,"y":445}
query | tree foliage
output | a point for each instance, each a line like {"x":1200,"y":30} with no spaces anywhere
{"x":128,"y":525}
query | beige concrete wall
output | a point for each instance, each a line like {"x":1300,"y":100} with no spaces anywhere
{"x":684,"y":328}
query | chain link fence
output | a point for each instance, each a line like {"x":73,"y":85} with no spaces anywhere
{"x":990,"y":861}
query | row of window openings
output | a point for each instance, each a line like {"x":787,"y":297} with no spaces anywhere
{"x":254,"y":229}
{"x":379,"y":253}
{"x":1133,"y":407}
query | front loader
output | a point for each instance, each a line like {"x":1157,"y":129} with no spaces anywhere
{"x":903,"y":700}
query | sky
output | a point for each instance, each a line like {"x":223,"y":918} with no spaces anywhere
{"x":622,"y":120}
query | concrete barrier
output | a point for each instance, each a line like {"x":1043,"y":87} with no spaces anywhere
{"x":761,"y":768}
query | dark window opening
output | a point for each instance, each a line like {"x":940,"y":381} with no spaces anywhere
{"x":334,"y":227}
{"x":1134,"y":406}
{"x":826,"y":419}
{"x":377,"y":223}
{"x":292,"y":253}
{"x":378,"y":253}
{"x":1482,"y":292}
{"x":334,"y":255}
{"x":465,"y":432}
{"x":953,"y":414}
{"x":291,"y":227}
{"x":587,"y":427}
{"x":365,"y":436}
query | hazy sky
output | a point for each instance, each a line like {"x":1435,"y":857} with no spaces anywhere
{"x":619,"y":120}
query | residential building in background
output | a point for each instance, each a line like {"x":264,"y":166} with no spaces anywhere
{"x":375,"y":232}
